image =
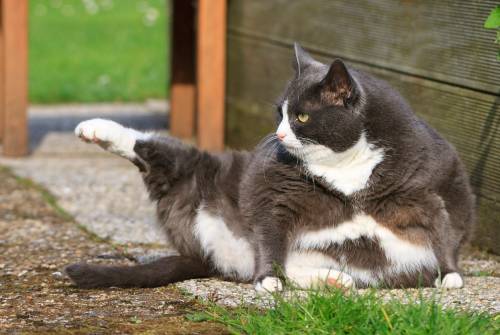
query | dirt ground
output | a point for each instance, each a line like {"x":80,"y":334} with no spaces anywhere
{"x":36,"y":241}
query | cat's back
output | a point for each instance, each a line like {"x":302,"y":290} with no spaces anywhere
{"x":392,"y":121}
{"x":431,"y":163}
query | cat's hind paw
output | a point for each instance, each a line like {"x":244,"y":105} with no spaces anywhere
{"x":450,"y":280}
{"x":312,"y":278}
{"x":111,"y":136}
{"x":340,"y":280}
{"x":269,"y":285}
{"x":98,"y":130}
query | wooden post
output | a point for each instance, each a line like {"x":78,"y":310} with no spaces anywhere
{"x":14,"y":18}
{"x":211,"y":74}
{"x":183,"y":91}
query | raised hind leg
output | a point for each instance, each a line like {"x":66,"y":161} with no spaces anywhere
{"x":111,"y":136}
{"x":165,"y":160}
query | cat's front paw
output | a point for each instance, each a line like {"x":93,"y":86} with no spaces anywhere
{"x":98,"y":131}
{"x":269,"y":284}
{"x":450,"y":280}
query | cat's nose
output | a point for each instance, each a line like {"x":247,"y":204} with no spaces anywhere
{"x":281,"y":136}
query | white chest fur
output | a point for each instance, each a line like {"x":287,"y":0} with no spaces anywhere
{"x":402,"y":254}
{"x":347,"y":171}
{"x":230,"y":255}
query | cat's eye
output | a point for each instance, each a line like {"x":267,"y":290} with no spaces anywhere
{"x":303,"y":117}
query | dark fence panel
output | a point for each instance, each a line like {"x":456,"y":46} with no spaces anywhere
{"x":436,"y":53}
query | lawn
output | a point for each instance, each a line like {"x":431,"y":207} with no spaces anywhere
{"x":335,"y":312}
{"x":97,"y":50}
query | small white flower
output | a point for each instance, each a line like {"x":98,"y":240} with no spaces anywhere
{"x":91,"y":6}
{"x":103,"y":80}
{"x":150,"y":16}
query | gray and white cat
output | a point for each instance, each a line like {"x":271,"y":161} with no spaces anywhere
{"x":353,"y":189}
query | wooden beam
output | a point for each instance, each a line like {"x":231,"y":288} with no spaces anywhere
{"x":15,"y":55}
{"x":211,"y":74}
{"x":183,"y":91}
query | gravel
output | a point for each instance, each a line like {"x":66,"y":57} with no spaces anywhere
{"x":479,"y":294}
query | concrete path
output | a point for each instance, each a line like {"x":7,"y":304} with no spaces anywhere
{"x":103,"y":192}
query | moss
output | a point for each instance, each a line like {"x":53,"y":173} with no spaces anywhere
{"x":46,"y":195}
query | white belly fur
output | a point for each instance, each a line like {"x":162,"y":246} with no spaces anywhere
{"x":234,"y":255}
{"x":403,"y":256}
{"x":230,"y":255}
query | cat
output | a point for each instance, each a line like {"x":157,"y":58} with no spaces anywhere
{"x":352,"y":190}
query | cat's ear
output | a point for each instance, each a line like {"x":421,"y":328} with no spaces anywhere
{"x":338,"y":85}
{"x":302,"y":58}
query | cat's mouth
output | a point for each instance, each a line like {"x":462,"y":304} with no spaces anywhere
{"x":296,"y":149}
{"x":290,"y":142}
{"x":292,"y":145}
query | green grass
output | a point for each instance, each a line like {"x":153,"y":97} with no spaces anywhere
{"x":334,"y":312}
{"x":97,"y":50}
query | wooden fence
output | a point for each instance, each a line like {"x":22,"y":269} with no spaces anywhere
{"x":436,"y":53}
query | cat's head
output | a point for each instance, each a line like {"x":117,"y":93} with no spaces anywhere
{"x":321,"y":105}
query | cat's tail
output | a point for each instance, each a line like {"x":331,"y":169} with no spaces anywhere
{"x":163,"y":271}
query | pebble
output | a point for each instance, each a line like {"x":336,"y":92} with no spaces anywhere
{"x":22,"y":273}
{"x":57,"y":274}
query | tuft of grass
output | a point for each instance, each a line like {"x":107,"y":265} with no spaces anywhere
{"x":335,"y":312}
{"x":98,"y":50}
{"x":482,"y":273}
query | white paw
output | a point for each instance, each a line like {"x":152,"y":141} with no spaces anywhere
{"x":269,"y":284}
{"x":98,"y":130}
{"x":110,"y":135}
{"x":451,"y":280}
